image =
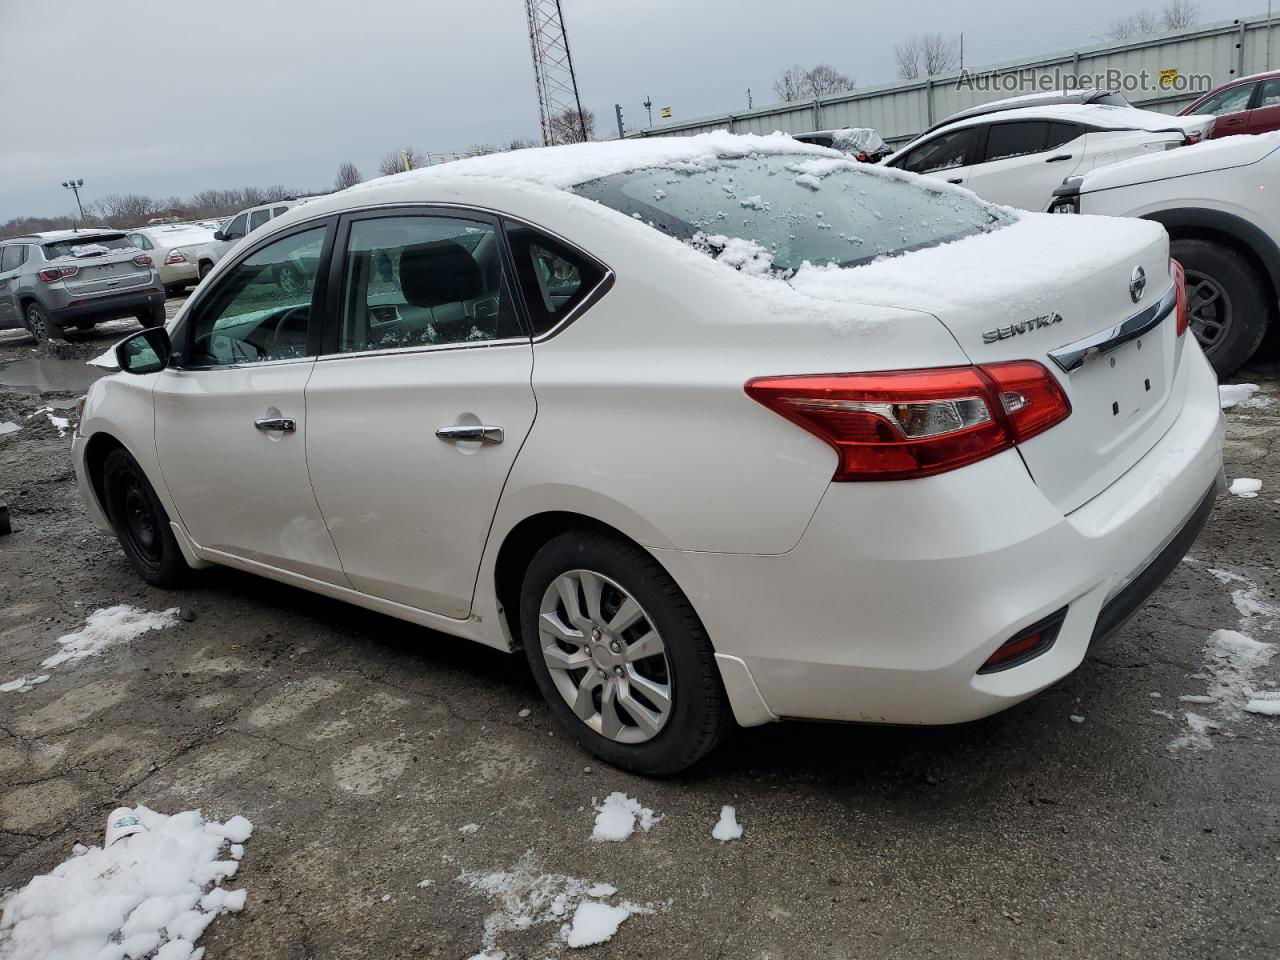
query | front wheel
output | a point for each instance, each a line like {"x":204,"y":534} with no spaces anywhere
{"x":620,"y":655}
{"x":141,"y":523}
{"x":1228,"y":301}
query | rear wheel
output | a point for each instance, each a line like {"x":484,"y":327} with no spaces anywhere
{"x":153,"y":316}
{"x":1228,"y":301}
{"x":40,"y":326}
{"x":620,"y":655}
{"x":140,"y":522}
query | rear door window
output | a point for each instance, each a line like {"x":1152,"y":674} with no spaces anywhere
{"x":553,"y":278}
{"x":276,"y":211}
{"x":1060,"y":133}
{"x":943,"y":152}
{"x":1234,"y":100}
{"x":1015,"y":139}
{"x":257,"y":218}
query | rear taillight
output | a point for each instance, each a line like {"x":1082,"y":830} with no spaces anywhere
{"x":917,"y":423}
{"x":142,"y":260}
{"x":53,"y":274}
{"x":175,"y":257}
{"x":1180,"y":291}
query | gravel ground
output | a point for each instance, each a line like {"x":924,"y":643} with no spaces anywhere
{"x":360,"y":746}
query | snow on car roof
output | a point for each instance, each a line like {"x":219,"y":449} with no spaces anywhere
{"x":567,"y":165}
{"x":1095,"y":114}
{"x":1221,"y":154}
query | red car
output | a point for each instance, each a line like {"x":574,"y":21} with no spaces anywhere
{"x":1246,"y":105}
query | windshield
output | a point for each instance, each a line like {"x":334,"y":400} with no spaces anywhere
{"x":86,"y":245}
{"x":770,"y":214}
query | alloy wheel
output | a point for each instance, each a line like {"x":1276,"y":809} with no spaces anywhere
{"x":605,"y":656}
{"x":1209,"y":307}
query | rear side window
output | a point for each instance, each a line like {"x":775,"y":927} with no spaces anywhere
{"x":943,"y":152}
{"x":1015,"y":139}
{"x":553,"y":278}
{"x":276,"y":211}
{"x":1270,"y":93}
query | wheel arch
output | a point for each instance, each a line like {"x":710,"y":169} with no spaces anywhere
{"x":97,"y":448}
{"x":1228,"y":230}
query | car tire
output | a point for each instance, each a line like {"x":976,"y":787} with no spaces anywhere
{"x":613,"y":663}
{"x":41,"y":327}
{"x":153,"y":316}
{"x":141,"y":523}
{"x":204,"y":268}
{"x":1228,"y":299}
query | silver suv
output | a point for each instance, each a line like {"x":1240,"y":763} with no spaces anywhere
{"x":51,"y":282}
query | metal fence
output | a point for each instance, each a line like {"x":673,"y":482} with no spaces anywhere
{"x":1153,"y":72}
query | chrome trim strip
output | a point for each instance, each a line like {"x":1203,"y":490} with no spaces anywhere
{"x":1073,"y":356}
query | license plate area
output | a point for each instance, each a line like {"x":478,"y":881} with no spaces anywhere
{"x":1121,"y":390}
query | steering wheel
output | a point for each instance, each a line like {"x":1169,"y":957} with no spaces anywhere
{"x":286,"y":319}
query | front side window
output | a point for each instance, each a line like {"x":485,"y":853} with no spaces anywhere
{"x":1233,"y":100}
{"x":1016,"y":139}
{"x":553,"y":278}
{"x":258,"y":218}
{"x":944,"y":152}
{"x":261,"y":307}
{"x":236,"y":229}
{"x":421,"y":281}
{"x":770,"y":214}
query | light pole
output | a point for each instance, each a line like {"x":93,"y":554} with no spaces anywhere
{"x":74,"y":186}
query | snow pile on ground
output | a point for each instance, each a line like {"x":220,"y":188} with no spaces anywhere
{"x":61,"y":424}
{"x":594,"y":922}
{"x":1199,"y":729}
{"x":728,"y":827}
{"x":151,"y":894}
{"x":104,"y":628}
{"x":1265,"y":702}
{"x":618,"y":816}
{"x":1231,"y":659}
{"x":1246,"y":487}
{"x":526,"y":896}
{"x":8,"y":426}
{"x":1230,"y":394}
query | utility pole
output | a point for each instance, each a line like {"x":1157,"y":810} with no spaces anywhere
{"x":1268,"y":34}
{"x":648,"y":105}
{"x":961,"y":49}
{"x":617,"y":108}
{"x":748,"y":98}
{"x":74,"y":186}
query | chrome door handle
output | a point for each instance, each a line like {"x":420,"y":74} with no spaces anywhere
{"x":283,"y":424}
{"x":469,"y":431}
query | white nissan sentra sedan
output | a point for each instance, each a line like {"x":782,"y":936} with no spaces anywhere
{"x":716,"y":429}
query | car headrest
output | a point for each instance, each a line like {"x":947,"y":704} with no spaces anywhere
{"x":439,"y":272}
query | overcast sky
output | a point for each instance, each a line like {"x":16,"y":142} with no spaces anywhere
{"x":167,"y":98}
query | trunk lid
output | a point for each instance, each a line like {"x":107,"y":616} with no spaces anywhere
{"x":100,"y":271}
{"x":1035,"y":289}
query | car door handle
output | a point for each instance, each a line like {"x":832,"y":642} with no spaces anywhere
{"x":283,"y":424}
{"x":1061,"y":156}
{"x":470,"y":431}
{"x":955,"y":180}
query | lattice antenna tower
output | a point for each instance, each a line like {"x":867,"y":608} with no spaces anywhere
{"x":558,"y":99}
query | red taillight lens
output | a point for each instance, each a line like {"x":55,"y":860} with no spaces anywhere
{"x":917,"y":423}
{"x":1180,"y":291}
{"x":51,"y":274}
{"x":1027,"y":645}
{"x":175,"y":257}
{"x":142,"y":260}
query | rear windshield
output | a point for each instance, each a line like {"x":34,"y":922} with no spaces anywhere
{"x":790,"y":209}
{"x":86,"y":245}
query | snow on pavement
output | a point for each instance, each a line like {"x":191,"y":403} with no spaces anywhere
{"x":728,"y":827}
{"x":618,"y":816}
{"x":594,"y":922}
{"x":1246,"y":487}
{"x":149,"y":894}
{"x":104,"y":628}
{"x":1230,"y":394}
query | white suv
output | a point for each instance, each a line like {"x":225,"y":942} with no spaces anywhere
{"x":1018,"y":157}
{"x":1218,"y":202}
{"x":235,"y":229}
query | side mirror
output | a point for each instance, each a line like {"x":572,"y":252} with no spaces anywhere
{"x":147,"y":351}
{"x":219,"y":235}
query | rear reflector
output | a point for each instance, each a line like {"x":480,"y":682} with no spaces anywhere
{"x":917,"y":423}
{"x":1026,"y":645}
{"x":1180,"y":292}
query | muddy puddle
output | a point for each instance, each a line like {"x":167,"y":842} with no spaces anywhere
{"x":40,"y":375}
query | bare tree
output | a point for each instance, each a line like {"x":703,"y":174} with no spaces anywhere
{"x":1180,"y":14}
{"x":567,"y":127}
{"x":520,"y":143}
{"x":908,"y":56}
{"x":938,"y":54}
{"x":825,"y":79}
{"x":348,"y":175}
{"x":398,"y":161}
{"x":790,"y":84}
{"x":124,"y":210}
{"x":1141,"y":24}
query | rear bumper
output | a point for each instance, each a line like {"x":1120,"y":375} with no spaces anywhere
{"x":108,"y":306}
{"x":172,"y":273}
{"x":899,"y":592}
